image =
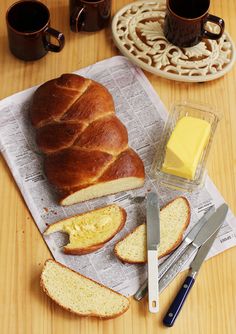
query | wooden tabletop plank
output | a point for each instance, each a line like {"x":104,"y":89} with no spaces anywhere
{"x":211,"y":306}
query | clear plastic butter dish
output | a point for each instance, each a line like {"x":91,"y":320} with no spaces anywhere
{"x":184,"y":146}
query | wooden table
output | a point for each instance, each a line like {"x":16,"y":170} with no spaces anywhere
{"x":211,"y":306}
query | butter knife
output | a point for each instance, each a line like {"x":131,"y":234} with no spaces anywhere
{"x":195,"y":266}
{"x":213,"y":224}
{"x":153,"y":240}
{"x":142,"y":291}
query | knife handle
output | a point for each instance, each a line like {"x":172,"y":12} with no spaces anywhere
{"x":178,"y":302}
{"x":153,"y":289}
{"x":169,"y":269}
{"x":142,"y":291}
{"x":176,"y":267}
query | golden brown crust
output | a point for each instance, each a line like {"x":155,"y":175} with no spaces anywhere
{"x":127,"y":164}
{"x":72,"y":81}
{"x":94,"y":103}
{"x":57,"y":136}
{"x":91,"y":248}
{"x":74,"y":167}
{"x":83,"y":251}
{"x":67,"y":309}
{"x":105,"y":134}
{"x":50,"y":100}
{"x":177,"y":243}
{"x":78,"y":130}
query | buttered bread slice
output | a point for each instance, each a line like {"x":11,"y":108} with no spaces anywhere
{"x":79,"y":294}
{"x":174,"y":219}
{"x":91,"y":230}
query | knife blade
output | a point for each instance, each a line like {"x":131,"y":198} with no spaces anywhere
{"x":195,"y":266}
{"x":142,"y":291}
{"x":212,"y":225}
{"x":153,"y":240}
{"x":187,"y":241}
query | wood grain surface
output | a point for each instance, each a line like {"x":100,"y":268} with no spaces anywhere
{"x":24,"y":309}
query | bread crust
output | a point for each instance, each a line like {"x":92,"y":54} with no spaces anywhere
{"x":170,"y":250}
{"x":77,"y":313}
{"x":74,"y":167}
{"x":94,"y":247}
{"x":127,"y":164}
{"x":78,"y":131}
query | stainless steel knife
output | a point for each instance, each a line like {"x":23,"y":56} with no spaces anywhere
{"x":142,"y":291}
{"x":153,"y":240}
{"x":213,"y":224}
{"x":195,"y":266}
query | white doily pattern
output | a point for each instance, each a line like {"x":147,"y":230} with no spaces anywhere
{"x":137,"y":32}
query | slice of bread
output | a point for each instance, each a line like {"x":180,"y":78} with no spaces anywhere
{"x":174,"y":219}
{"x":79,"y":294}
{"x":102,"y":189}
{"x":91,"y":230}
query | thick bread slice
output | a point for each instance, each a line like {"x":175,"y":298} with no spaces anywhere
{"x":174,"y":219}
{"x":102,"y":189}
{"x":79,"y":294}
{"x":91,"y":230}
{"x":124,"y":173}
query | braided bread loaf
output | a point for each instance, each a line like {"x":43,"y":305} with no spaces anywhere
{"x":86,"y":146}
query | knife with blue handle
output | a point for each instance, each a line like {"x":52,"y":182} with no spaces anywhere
{"x":195,"y":266}
{"x":165,"y":266}
{"x":211,"y":226}
{"x":187,"y":241}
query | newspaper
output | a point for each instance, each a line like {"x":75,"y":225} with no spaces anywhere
{"x":141,"y":110}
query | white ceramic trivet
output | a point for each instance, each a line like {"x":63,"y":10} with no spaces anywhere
{"x":137,"y":32}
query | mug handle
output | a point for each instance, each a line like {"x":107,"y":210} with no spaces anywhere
{"x":77,"y":20}
{"x":217,"y":20}
{"x":58,"y":35}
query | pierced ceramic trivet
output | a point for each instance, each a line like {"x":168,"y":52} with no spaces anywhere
{"x":137,"y":32}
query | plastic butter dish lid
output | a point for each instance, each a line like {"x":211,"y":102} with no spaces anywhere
{"x":185,"y":145}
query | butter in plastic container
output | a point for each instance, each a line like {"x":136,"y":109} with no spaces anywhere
{"x":184,"y":147}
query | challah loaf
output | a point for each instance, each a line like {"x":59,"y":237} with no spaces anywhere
{"x":79,"y":294}
{"x":90,"y":231}
{"x":86,"y":146}
{"x":174,"y":219}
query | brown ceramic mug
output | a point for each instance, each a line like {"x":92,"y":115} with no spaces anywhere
{"x":29,"y":31}
{"x":89,"y":15}
{"x":185,"y":21}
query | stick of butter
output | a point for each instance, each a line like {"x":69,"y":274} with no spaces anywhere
{"x":185,"y":147}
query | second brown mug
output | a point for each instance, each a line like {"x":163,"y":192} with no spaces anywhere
{"x":185,"y":22}
{"x":89,"y":15}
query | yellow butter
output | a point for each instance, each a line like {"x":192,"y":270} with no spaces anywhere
{"x":185,"y":147}
{"x":90,"y":228}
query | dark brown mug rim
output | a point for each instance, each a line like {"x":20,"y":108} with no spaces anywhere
{"x":27,"y":33}
{"x":186,"y":18}
{"x":92,"y":2}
